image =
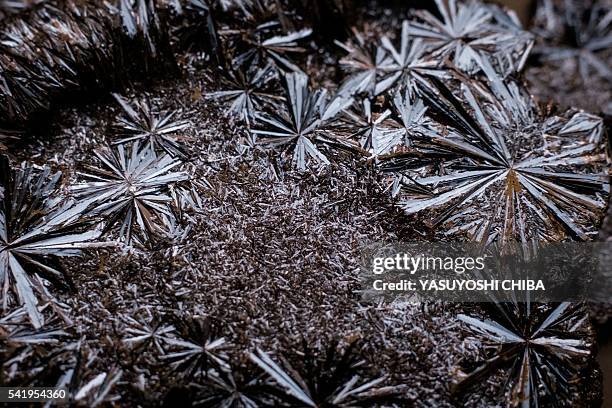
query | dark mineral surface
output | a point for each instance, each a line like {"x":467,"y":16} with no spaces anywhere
{"x":187,"y":186}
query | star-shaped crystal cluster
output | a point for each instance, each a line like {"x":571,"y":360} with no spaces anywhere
{"x":131,"y":188}
{"x":158,"y":130}
{"x":37,"y":227}
{"x":502,"y":171}
{"x":469,"y":33}
{"x":540,"y":349}
{"x":300,"y":123}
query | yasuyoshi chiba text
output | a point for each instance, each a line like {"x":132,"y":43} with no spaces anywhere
{"x":458,"y":285}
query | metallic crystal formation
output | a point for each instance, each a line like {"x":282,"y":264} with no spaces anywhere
{"x":332,"y":382}
{"x":247,"y":92}
{"x":158,"y":131}
{"x":380,"y":133}
{"x":501,"y":170}
{"x":300,"y":123}
{"x":71,"y":46}
{"x":229,"y":195}
{"x":376,"y":69}
{"x":36,"y":228}
{"x":131,"y":189}
{"x":574,"y":50}
{"x":261,"y":45}
{"x":470,"y":32}
{"x":541,"y":350}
